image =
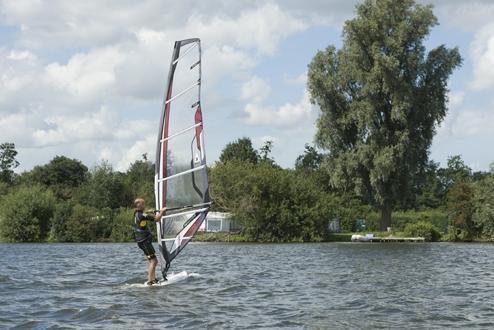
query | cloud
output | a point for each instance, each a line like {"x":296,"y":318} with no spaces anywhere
{"x":482,"y":51}
{"x":256,"y":91}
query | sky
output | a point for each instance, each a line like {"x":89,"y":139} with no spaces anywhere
{"x":86,"y":79}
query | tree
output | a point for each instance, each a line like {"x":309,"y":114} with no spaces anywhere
{"x":104,"y":189}
{"x":455,"y":171}
{"x":241,"y":150}
{"x":311,"y":160}
{"x":265,"y":151}
{"x":59,"y":231}
{"x":26,"y":214}
{"x":273,"y":204}
{"x":122,"y":226}
{"x":61,"y":171}
{"x":381,"y":97}
{"x":483,"y":202}
{"x":62,"y":174}
{"x":88,"y":224}
{"x":7,"y":162}
{"x":460,"y":207}
{"x":139,"y":181}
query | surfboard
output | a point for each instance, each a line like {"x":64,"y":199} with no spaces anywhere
{"x":172,"y":278}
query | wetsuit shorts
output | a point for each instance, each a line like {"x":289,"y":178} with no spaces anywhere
{"x":147,"y":247}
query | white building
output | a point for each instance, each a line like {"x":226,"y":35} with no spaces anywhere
{"x":219,"y":222}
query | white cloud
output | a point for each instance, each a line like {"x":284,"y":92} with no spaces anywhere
{"x":86,"y":76}
{"x":255,"y":90}
{"x":289,"y":115}
{"x":20,"y":55}
{"x":301,"y":79}
{"x":482,"y":51}
{"x":135,"y":152}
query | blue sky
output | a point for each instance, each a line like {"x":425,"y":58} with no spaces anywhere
{"x":85,"y":79}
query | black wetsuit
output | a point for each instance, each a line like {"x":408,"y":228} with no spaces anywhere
{"x":142,"y":234}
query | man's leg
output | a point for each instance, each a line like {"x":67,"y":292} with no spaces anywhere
{"x":152,"y":269}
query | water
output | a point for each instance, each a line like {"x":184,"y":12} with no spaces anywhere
{"x":250,"y":286}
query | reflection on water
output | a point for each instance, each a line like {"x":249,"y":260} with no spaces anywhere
{"x":309,"y":286}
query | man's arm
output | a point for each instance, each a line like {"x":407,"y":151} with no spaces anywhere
{"x":160,"y":214}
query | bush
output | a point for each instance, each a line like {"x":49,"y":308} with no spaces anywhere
{"x":122,"y":226}
{"x":461,"y":207}
{"x":483,"y":202}
{"x":436,"y":217}
{"x":88,"y":224}
{"x":422,"y":229}
{"x":26,"y":214}
{"x":58,"y":232}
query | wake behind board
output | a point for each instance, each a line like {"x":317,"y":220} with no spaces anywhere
{"x":172,"y":279}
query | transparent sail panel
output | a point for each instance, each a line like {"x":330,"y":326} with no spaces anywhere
{"x":183,"y":153}
{"x":173,"y":226}
{"x":186,"y":190}
{"x":185,"y":91}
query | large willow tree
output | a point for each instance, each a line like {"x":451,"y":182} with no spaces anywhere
{"x":381,"y":97}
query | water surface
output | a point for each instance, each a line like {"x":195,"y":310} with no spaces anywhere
{"x":250,"y":286}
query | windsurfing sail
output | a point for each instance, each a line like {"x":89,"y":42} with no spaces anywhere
{"x":181,"y":180}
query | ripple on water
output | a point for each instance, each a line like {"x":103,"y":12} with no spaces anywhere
{"x":251,"y":286}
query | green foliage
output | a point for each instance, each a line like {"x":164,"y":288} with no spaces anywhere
{"x":381,"y":97}
{"x":240,"y":150}
{"x":460,"y":207}
{"x":26,"y":214}
{"x":422,"y":229}
{"x":122,"y":226}
{"x":220,"y":237}
{"x":139,"y":181}
{"x":59,"y":232}
{"x":310,"y":161}
{"x":273,"y":204}
{"x":455,"y":172}
{"x":483,"y":203}
{"x":61,"y":171}
{"x":88,"y":224}
{"x":436,"y":217}
{"x":61,"y":174}
{"x":7,"y":162}
{"x":265,"y":151}
{"x":104,"y":189}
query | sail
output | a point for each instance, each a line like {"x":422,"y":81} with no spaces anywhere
{"x":181,"y":180}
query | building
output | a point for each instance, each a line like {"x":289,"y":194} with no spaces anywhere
{"x":220,"y":222}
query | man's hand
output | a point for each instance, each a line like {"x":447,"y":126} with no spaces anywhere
{"x":160,"y":214}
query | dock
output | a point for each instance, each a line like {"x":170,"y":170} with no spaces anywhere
{"x":389,"y":239}
{"x":397,"y":239}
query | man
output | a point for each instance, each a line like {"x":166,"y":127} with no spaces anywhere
{"x":143,"y":236}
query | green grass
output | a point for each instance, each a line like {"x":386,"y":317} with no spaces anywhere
{"x":219,"y":237}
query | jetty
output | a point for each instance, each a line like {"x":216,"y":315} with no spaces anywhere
{"x":388,"y":239}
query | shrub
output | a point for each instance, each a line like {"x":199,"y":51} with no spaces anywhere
{"x":26,"y":214}
{"x":422,"y":229}
{"x":122,"y":226}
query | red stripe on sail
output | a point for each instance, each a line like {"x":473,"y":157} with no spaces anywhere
{"x":198,"y":119}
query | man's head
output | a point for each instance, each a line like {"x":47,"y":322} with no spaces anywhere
{"x":139,"y":204}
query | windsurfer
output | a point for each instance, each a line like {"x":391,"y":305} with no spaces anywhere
{"x":143,"y":236}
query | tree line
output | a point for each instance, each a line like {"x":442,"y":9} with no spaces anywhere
{"x":65,"y":201}
{"x":381,"y":97}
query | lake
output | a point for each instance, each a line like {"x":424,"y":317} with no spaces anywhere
{"x":250,"y":286}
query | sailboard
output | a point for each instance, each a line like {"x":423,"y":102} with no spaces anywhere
{"x":181,"y":178}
